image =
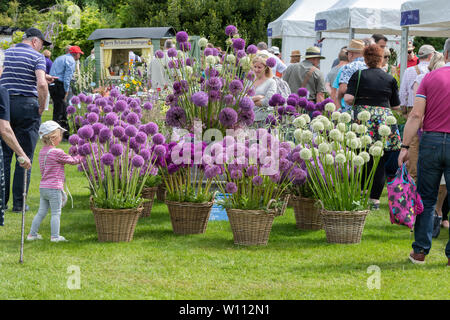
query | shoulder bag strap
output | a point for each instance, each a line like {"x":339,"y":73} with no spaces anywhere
{"x":308,"y":75}
{"x":417,"y":69}
{"x":357,"y":88}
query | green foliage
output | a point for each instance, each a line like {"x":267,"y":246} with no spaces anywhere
{"x":153,"y":181}
{"x":437,"y":43}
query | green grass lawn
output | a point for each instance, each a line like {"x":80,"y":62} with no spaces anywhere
{"x":158,"y":264}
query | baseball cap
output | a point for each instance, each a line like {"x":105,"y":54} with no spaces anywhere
{"x":75,"y":49}
{"x":275,"y":50}
{"x":425,"y":50}
{"x":33,"y":32}
{"x":48,"y":127}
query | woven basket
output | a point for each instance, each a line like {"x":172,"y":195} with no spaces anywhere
{"x":115,"y":225}
{"x":250,"y":227}
{"x":161,"y":193}
{"x":343,"y":226}
{"x":148,"y":193}
{"x":188,"y":217}
{"x":307,"y":215}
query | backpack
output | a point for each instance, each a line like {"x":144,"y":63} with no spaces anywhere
{"x":404,"y":201}
{"x":282,"y":87}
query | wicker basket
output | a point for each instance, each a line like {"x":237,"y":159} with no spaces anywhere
{"x":161,"y":193}
{"x":188,"y":217}
{"x":343,"y":226}
{"x":115,"y":225}
{"x":307,"y":215}
{"x":148,"y":193}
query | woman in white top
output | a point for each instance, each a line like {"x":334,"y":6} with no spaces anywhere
{"x":265,"y":88}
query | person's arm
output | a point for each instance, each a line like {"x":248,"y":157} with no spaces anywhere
{"x":42,"y":89}
{"x":320,"y":85}
{"x":270,"y":91}
{"x":341,"y":91}
{"x":412,"y":125}
{"x":287,"y":74}
{"x":63,"y":158}
{"x":10,"y":139}
{"x":69,"y":70}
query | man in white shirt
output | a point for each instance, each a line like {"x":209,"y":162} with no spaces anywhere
{"x":157,"y":73}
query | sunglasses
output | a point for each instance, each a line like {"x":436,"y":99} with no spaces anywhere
{"x":409,"y":52}
{"x":386,"y":57}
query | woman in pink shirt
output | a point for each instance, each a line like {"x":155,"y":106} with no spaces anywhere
{"x":51,"y":164}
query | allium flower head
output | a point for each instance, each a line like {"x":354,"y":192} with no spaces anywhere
{"x":131,"y":131}
{"x":102,"y":102}
{"x":252,"y":49}
{"x":271,"y":62}
{"x":132,"y":118}
{"x":105,"y":134}
{"x":73,"y":139}
{"x":116,"y":149}
{"x":92,"y":118}
{"x":316,"y":114}
{"x":208,"y":52}
{"x":305,"y":154}
{"x":250,"y":76}
{"x":176,"y":117}
{"x":231,"y":30}
{"x":391,"y":120}
{"x":118,"y":132}
{"x":120,"y":106}
{"x":238,"y":44}
{"x":236,"y":87}
{"x":71,"y":110}
{"x":141,"y":137}
{"x":137,"y":161}
{"x":257,"y":180}
{"x":86,"y":132}
{"x":202,"y":42}
{"x":75,"y":100}
{"x":246,"y":117}
{"x":114,"y":93}
{"x":340,"y":158}
{"x":107,"y":159}
{"x":172,"y":52}
{"x":228,"y":117}
{"x":158,"y":138}
{"x":151,"y":128}
{"x":246,"y":103}
{"x":229,"y":100}
{"x":345,"y":118}
{"x":330,"y":107}
{"x":277,"y":100}
{"x":182,"y":36}
{"x":200,"y":99}
{"x":364,"y":116}
{"x":160,"y":150}
{"x":302,"y":92}
{"x":185,"y":46}
{"x":384,"y":130}
{"x":231,"y":187}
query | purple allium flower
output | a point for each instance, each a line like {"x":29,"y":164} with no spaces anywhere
{"x":89,"y":107}
{"x":111,"y":118}
{"x":271,"y":119}
{"x":310,"y":106}
{"x":236,"y":87}
{"x":134,"y":145}
{"x":238,"y":44}
{"x":208,"y":52}
{"x":211,"y":72}
{"x":84,"y":122}
{"x":145,"y":153}
{"x":230,"y":30}
{"x":185,"y":46}
{"x":247,"y":117}
{"x":189,"y":62}
{"x":246,"y":104}
{"x":86,"y":132}
{"x":315,"y":114}
{"x":97,"y":127}
{"x":82,"y":97}
{"x":171,"y":100}
{"x":172,"y":52}
{"x":241,"y":54}
{"x":148,"y":106}
{"x":302,"y":92}
{"x":252,"y":49}
{"x":290,"y":110}
{"x":133,"y":104}
{"x":200,"y":99}
{"x":75,"y":100}
{"x":252,"y":171}
{"x":229,"y":100}
{"x":298,"y":176}
{"x":302,"y":102}
{"x":137,"y":161}
{"x":89,"y":100}
{"x":231,"y":187}
{"x":131,"y":131}
{"x":160,"y":150}
{"x":92,"y":117}
{"x":176,"y":117}
{"x":71,"y":110}
{"x":114,"y":93}
{"x":132,"y":118}
{"x":214,"y":83}
{"x":214,"y":95}
{"x":212,"y":172}
{"x":257,"y":180}
{"x":151,"y":128}
{"x":108,"y":109}
{"x":172,"y":168}
{"x":158,"y":139}
{"x":281,"y":110}
{"x":182,"y":36}
{"x":102,"y":102}
{"x":141,"y":137}
{"x":215,"y":52}
{"x":236,"y":174}
{"x":228,"y":117}
{"x":117,"y":149}
{"x":276,"y":100}
{"x":120,"y":106}
{"x":292,"y":100}
{"x":107,"y":159}
{"x":73,"y":151}
{"x":73,"y":139}
{"x":271,"y":62}
{"x":159,"y":54}
{"x":105,"y":134}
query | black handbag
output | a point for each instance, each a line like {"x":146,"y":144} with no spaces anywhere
{"x":436,"y":225}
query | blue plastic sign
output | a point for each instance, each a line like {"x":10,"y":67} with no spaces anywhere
{"x":410,"y":17}
{"x":320,"y":25}
{"x":269,"y":32}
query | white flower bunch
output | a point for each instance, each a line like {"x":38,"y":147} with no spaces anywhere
{"x":317,"y":126}
{"x":335,"y":116}
{"x":202,"y":42}
{"x":324,"y":148}
{"x":231,"y":59}
{"x":330,"y":107}
{"x":211,"y":60}
{"x":329,"y":159}
{"x":305,"y":154}
{"x":298,"y":134}
{"x":306,"y":136}
{"x":391,"y":120}
{"x":358,"y":161}
{"x":365,"y":156}
{"x":345,"y":118}
{"x":364,"y":116}
{"x":340,"y":158}
{"x":350,"y":135}
{"x":361,"y":129}
{"x":299,"y":122}
{"x":384,"y":130}
{"x":341,"y":127}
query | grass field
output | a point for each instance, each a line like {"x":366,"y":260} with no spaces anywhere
{"x":160,"y":265}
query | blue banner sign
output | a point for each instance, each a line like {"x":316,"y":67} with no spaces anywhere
{"x":410,"y":17}
{"x":320,"y":25}
{"x":269,"y":32}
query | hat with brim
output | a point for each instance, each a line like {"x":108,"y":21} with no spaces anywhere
{"x":356,"y":46}
{"x":313,"y":52}
{"x":48,"y":127}
{"x":275,"y":50}
{"x":410,"y":46}
{"x":295,"y":53}
{"x":425,"y":50}
{"x":33,"y":32}
{"x":75,"y":49}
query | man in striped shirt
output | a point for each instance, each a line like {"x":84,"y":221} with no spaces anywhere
{"x":25,"y":79}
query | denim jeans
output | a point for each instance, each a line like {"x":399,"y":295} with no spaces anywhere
{"x":434,"y":159}
{"x":50,"y":198}
{"x":25,"y":121}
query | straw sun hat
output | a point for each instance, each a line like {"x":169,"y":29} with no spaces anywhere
{"x":313,"y":52}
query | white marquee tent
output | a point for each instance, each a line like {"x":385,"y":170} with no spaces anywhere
{"x":296,"y":29}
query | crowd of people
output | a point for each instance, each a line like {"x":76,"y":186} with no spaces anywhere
{"x":360,"y":79}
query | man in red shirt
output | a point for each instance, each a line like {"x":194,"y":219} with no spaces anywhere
{"x":432,"y":104}
{"x":413,"y":60}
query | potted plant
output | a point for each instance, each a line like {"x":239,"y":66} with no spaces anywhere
{"x":119,"y":155}
{"x":335,"y":152}
{"x":148,"y":193}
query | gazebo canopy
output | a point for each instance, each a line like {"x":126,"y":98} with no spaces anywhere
{"x":432,"y":17}
{"x":132,"y":33}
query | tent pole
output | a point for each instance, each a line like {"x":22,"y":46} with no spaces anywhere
{"x":351,"y":35}
{"x":403,"y":51}
{"x":269,"y":42}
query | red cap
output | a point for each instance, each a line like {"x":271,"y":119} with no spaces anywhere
{"x":75,"y":49}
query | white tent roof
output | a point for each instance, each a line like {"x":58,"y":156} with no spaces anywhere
{"x":431,"y":16}
{"x":298,"y":20}
{"x":365,"y":16}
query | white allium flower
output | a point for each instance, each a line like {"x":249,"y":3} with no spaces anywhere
{"x":379,"y":144}
{"x":334,"y":134}
{"x":305,"y":154}
{"x":202,"y":42}
{"x":345,"y":118}
{"x":231,"y":59}
{"x":355,"y":143}
{"x":375,"y":151}
{"x":316,"y":151}
{"x":366,"y":140}
{"x":390,"y":120}
{"x":350,"y":135}
{"x":354,"y":127}
{"x":330,"y":107}
{"x":245,"y":63}
{"x":384,"y":130}
{"x":319,"y":139}
{"x":364,"y":116}
{"x":211,"y":60}
{"x":358,"y":161}
{"x":306,"y":117}
{"x":325,"y":122}
{"x":188,"y":70}
{"x":292,"y":144}
{"x":318,"y":126}
{"x":324,"y":147}
{"x":329,"y":159}
{"x":351,"y":155}
{"x":229,"y":42}
{"x":306,"y":136}
{"x":335,"y":115}
{"x":341,"y":127}
{"x":180,"y":54}
{"x":365,"y":156}
{"x":361,"y":129}
{"x":298,"y":134}
{"x":299,"y":122}
{"x":340,"y":158}
{"x":218,"y":67}
{"x":336,"y":146}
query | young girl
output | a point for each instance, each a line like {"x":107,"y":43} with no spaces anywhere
{"x":51,"y":164}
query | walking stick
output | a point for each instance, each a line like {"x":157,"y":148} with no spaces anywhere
{"x":25,"y":176}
